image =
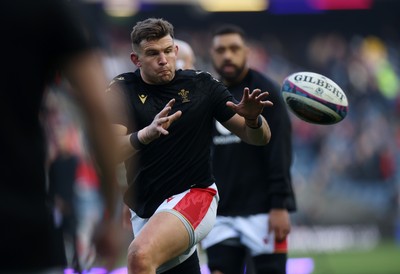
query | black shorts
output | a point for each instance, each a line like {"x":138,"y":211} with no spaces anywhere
{"x":190,"y":266}
{"x":235,"y":259}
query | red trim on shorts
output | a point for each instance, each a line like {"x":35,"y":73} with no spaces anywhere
{"x":194,"y":206}
{"x":281,"y":247}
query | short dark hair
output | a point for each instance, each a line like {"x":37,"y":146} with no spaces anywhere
{"x":150,"y":29}
{"x":228,"y":29}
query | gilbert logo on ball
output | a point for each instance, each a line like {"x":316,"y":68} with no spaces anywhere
{"x":315,"y":98}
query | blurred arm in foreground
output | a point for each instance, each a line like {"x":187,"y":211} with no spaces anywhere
{"x":41,"y":39}
{"x":87,"y":78}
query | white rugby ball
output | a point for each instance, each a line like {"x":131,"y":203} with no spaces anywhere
{"x":315,"y":98}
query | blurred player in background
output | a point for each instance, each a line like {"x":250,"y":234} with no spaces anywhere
{"x":40,"y":38}
{"x":163,"y":118}
{"x":186,"y":58}
{"x":254,"y":182}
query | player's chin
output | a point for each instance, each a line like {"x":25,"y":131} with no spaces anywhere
{"x":166,"y":78}
{"x":229,"y":73}
{"x":230,"y":77}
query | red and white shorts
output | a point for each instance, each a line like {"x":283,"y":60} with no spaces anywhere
{"x":196,"y":208}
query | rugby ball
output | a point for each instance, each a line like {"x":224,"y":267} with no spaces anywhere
{"x":314,"y":98}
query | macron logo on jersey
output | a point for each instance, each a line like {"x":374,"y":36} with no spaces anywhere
{"x":142,"y":98}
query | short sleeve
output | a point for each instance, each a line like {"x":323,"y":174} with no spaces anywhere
{"x":219,"y":96}
{"x":116,"y":103}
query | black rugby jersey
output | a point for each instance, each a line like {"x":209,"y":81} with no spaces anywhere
{"x":254,"y":179}
{"x":180,"y":160}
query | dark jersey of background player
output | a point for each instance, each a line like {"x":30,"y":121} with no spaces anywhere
{"x":255,"y":191}
{"x":36,"y":37}
{"x":180,"y":160}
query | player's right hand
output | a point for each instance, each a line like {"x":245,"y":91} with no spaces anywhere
{"x":160,"y":124}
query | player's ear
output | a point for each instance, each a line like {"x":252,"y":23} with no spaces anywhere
{"x":176,"y":49}
{"x":135,"y":59}
{"x":211,"y":51}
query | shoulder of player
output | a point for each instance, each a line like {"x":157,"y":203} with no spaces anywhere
{"x":196,"y":74}
{"x":123,"y":79}
{"x":264,"y":82}
{"x":263,"y":79}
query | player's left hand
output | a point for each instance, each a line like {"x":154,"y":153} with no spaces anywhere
{"x":252,"y":104}
{"x":279,"y":222}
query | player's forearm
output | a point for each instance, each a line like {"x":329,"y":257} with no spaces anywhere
{"x":257,"y":134}
{"x":87,"y":78}
{"x":125,"y":148}
{"x":106,"y":160}
{"x":129,"y":145}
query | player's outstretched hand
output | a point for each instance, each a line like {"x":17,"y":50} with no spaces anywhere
{"x":252,"y":104}
{"x":160,"y":124}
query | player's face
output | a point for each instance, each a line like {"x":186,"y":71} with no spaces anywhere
{"x":157,"y":60}
{"x":229,"y":55}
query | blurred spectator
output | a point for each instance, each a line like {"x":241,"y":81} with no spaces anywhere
{"x":186,"y":58}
